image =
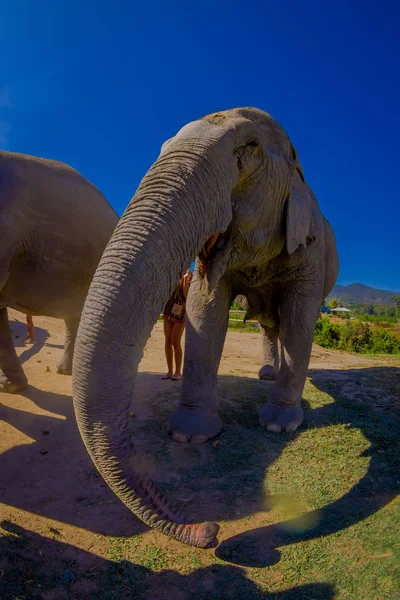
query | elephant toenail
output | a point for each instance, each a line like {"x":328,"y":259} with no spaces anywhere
{"x":275,"y":427}
{"x":182,"y":438}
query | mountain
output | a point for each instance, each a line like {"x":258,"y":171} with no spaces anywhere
{"x":360,"y":293}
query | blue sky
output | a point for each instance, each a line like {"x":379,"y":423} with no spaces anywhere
{"x":100,"y":85}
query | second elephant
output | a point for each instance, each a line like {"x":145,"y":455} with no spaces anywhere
{"x":54,"y":227}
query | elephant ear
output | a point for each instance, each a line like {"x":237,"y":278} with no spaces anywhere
{"x":299,"y":221}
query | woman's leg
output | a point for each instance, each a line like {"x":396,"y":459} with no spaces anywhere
{"x":177,"y":332}
{"x":30,"y":330}
{"x":168,"y":327}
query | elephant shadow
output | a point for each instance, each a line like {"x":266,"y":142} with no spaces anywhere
{"x":32,"y":566}
{"x":18,"y":331}
{"x":50,"y":473}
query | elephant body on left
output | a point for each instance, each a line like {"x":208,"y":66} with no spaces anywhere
{"x":54,"y":227}
{"x":229,"y":189}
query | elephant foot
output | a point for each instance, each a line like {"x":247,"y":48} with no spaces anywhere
{"x":193,"y":425}
{"x":267,"y":373}
{"x":64,"y":367}
{"x":12,"y":387}
{"x":281,"y":418}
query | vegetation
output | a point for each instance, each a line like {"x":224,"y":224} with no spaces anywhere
{"x":333,"y":303}
{"x":236,"y":324}
{"x":356,"y":336}
{"x":236,"y":306}
{"x":376,"y":319}
{"x":372,"y":334}
{"x":384,"y":311}
{"x":396,"y":300}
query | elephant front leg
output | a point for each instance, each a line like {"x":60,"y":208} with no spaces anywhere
{"x":12,"y":376}
{"x":64,"y":367}
{"x":196,"y":418}
{"x":283,"y":410}
{"x":270,"y":368}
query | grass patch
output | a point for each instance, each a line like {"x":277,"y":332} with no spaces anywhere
{"x":243,"y":327}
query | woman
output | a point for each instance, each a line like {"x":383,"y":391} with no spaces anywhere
{"x":174,"y":325}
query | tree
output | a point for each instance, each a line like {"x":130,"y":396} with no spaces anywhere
{"x":396,"y":301}
{"x":333,"y":303}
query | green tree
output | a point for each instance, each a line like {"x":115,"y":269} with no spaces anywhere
{"x":333,"y":303}
{"x":396,"y":301}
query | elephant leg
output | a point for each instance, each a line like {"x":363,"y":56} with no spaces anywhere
{"x":12,"y":376}
{"x":298,"y":317}
{"x":270,"y":367}
{"x":64,"y":367}
{"x":196,"y":418}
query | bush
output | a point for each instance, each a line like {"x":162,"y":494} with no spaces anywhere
{"x":355,"y":336}
{"x":236,"y":306}
{"x":326,"y":333}
{"x":383,"y":342}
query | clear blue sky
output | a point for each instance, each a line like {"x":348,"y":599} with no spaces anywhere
{"x":100,"y":85}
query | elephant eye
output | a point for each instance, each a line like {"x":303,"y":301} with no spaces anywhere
{"x":253,"y":143}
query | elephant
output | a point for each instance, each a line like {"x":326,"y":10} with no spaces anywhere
{"x":54,"y":227}
{"x":229,"y":191}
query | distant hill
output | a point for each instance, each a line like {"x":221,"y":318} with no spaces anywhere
{"x":357,"y":292}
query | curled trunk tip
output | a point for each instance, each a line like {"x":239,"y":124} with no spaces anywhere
{"x":202,"y":535}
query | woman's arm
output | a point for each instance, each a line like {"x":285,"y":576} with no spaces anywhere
{"x":187,"y":278}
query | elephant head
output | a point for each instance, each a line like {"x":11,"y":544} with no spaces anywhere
{"x":228,"y":189}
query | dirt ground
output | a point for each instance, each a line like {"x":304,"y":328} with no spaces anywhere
{"x":56,"y":512}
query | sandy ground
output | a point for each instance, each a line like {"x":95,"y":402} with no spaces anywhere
{"x":48,"y":485}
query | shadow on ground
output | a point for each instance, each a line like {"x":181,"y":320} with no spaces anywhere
{"x":32,"y":566}
{"x":18,"y":331}
{"x":52,"y":475}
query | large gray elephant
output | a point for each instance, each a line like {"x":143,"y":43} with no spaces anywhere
{"x":230,"y":190}
{"x":54,"y":227}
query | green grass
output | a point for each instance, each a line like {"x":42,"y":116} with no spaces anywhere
{"x":243,"y":327}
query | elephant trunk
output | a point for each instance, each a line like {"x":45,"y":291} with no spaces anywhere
{"x":164,"y":227}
